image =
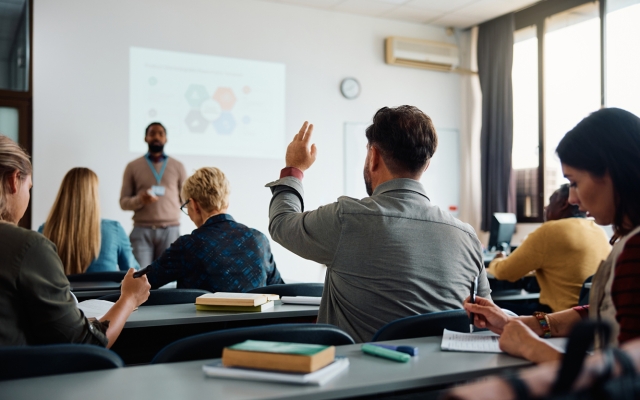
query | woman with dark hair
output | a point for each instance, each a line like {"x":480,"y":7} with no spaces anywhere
{"x":601,"y":159}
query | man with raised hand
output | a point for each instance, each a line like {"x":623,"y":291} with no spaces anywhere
{"x":390,"y":255}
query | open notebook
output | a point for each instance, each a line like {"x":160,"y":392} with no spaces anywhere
{"x":483,"y":342}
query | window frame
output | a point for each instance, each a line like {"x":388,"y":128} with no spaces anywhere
{"x":23,"y":101}
{"x":536,"y":15}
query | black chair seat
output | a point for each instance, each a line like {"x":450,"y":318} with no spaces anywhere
{"x":292,"y":289}
{"x":210,"y":345}
{"x":111,"y":276}
{"x":161,"y":297}
{"x":30,"y":361}
{"x":431,"y":324}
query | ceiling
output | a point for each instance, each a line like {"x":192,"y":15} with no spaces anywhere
{"x":455,"y":13}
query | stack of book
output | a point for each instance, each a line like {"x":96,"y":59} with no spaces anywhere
{"x":234,"y":302}
{"x":308,"y":364}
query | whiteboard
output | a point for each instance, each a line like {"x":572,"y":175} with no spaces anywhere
{"x":441,"y":180}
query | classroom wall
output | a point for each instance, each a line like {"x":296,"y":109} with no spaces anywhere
{"x":81,"y":81}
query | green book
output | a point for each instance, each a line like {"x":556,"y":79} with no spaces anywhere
{"x":261,"y":307}
{"x":279,"y":347}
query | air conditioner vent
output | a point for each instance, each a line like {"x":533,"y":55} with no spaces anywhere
{"x":421,"y":53}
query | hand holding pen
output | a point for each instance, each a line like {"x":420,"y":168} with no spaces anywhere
{"x":472,"y":300}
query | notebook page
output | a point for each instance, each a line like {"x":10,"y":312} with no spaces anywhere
{"x":457,"y":341}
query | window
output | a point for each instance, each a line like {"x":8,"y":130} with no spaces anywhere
{"x":622,"y":55}
{"x":556,"y":83}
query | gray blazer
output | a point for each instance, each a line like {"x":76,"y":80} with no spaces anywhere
{"x":388,"y":256}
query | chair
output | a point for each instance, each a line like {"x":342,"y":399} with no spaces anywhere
{"x":585,"y":291}
{"x":160,"y":297}
{"x":110,"y":276}
{"x":210,"y":345}
{"x":292,"y":289}
{"x":431,"y":324}
{"x":30,"y":361}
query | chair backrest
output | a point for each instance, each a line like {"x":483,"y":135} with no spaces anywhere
{"x":431,"y":324}
{"x":583,"y":299}
{"x":30,"y":361}
{"x":292,"y":289}
{"x":110,"y":276}
{"x":210,"y":345}
{"x":160,"y":297}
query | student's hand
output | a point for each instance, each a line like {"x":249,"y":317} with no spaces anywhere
{"x":517,"y":339}
{"x":147,"y":198}
{"x":300,"y":154}
{"x":135,"y":289}
{"x":499,"y":254}
{"x":487,"y":315}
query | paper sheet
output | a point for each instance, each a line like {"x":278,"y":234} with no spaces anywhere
{"x":485,"y":342}
{"x":95,"y":308}
{"x":457,"y":341}
{"x":301,"y":300}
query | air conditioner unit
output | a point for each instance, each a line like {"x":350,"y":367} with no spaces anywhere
{"x":421,"y":53}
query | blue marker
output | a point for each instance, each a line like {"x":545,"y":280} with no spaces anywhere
{"x":412,"y":351}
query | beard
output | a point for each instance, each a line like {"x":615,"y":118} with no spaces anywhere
{"x":367,"y":178}
{"x":155,"y":147}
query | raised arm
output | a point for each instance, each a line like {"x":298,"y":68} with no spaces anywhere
{"x":313,"y":235}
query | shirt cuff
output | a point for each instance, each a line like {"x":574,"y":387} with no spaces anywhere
{"x":291,"y":171}
{"x":583,"y":311}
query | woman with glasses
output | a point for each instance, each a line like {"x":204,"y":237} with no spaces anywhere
{"x":85,"y":242}
{"x":37,"y":306}
{"x":221,"y":255}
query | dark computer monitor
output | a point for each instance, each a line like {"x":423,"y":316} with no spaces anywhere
{"x":503,"y":225}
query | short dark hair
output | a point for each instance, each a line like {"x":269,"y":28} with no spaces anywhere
{"x":405,"y":137}
{"x":146,"y":131}
{"x":574,"y":209}
{"x":608,"y":141}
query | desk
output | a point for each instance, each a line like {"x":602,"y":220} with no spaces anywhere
{"x":93,"y":286}
{"x":367,"y":375}
{"x":150,"y":328}
{"x":523,"y":295}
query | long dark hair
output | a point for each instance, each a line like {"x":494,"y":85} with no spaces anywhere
{"x":608,"y":141}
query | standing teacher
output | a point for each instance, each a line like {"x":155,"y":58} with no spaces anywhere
{"x":151,"y":189}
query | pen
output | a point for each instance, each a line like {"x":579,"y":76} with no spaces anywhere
{"x":472,"y":300}
{"x":385,"y":353}
{"x":410,"y":350}
{"x":141,"y":272}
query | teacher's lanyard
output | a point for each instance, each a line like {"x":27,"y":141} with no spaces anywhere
{"x":157,"y":174}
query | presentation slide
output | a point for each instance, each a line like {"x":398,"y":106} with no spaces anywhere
{"x":210,"y":105}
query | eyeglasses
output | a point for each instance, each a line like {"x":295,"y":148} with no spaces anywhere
{"x":182,"y":207}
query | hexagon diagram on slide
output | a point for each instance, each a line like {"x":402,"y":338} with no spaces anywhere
{"x":196,"y":122}
{"x":225,"y":97}
{"x":225,"y":124}
{"x":196,"y":95}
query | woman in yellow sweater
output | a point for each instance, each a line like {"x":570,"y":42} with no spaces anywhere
{"x":563,"y":252}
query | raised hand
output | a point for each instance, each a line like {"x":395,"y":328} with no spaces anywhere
{"x":300,"y":154}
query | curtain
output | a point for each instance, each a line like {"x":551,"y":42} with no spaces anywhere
{"x":495,"y":60}
{"x":470,"y":188}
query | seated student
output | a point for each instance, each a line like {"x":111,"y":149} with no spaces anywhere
{"x":222,"y":255}
{"x":564,"y":251}
{"x":539,"y":380}
{"x":600,"y":158}
{"x":85,"y":242}
{"x":392,"y":254}
{"x":35,"y":302}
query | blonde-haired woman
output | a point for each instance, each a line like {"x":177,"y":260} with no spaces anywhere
{"x":85,"y":243}
{"x":36,"y":304}
{"x":221,"y":255}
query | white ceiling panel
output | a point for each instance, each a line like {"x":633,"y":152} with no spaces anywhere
{"x":455,"y":13}
{"x":366,"y":7}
